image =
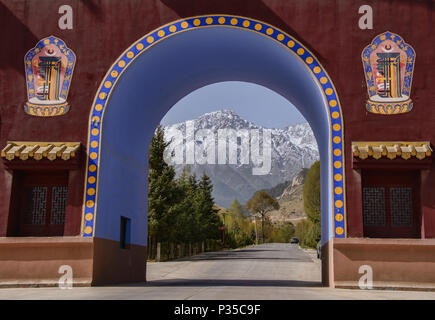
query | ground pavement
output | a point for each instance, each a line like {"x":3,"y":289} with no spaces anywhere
{"x":268,"y":271}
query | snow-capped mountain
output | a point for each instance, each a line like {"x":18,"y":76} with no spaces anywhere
{"x":291,"y":149}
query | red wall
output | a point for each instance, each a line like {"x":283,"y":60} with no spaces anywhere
{"x":104,"y":28}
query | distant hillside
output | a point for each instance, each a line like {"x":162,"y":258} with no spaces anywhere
{"x":278,"y":189}
{"x":291,"y":200}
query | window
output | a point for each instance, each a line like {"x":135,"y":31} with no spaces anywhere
{"x":40,"y":204}
{"x":391,"y":205}
{"x":125,"y":233}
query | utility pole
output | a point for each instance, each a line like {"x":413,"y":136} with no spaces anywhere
{"x":256,"y":231}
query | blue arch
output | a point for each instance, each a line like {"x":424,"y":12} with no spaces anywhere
{"x":174,"y":60}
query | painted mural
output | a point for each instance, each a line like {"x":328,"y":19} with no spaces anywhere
{"x":388,"y":65}
{"x":49,"y":69}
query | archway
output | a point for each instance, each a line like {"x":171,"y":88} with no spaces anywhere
{"x":172,"y":61}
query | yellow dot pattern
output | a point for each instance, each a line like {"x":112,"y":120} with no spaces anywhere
{"x":237,"y":22}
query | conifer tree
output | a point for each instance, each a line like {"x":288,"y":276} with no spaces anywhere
{"x":187,"y":218}
{"x":208,"y":219}
{"x":161,"y":190}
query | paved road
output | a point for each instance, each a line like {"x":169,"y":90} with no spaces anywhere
{"x":270,"y":271}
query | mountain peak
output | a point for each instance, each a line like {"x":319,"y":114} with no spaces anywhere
{"x":223,"y":113}
{"x":293,"y":148}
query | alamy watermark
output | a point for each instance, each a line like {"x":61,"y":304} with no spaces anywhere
{"x":66,"y":280}
{"x":366,"y":280}
{"x":226,"y":146}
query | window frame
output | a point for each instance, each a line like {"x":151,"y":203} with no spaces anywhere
{"x":389,"y":179}
{"x":49,"y":179}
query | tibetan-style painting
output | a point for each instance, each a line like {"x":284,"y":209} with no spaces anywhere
{"x":49,"y":68}
{"x":388,"y":65}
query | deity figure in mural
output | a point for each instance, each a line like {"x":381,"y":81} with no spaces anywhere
{"x":388,"y":64}
{"x":49,"y":68}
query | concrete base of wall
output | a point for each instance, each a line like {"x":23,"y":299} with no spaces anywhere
{"x":405,"y":264}
{"x":115,"y":265}
{"x":327,"y":266}
{"x":35,"y":261}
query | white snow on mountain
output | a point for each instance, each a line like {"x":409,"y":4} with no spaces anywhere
{"x":292,"y":148}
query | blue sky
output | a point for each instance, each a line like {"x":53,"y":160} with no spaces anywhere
{"x":250,"y":101}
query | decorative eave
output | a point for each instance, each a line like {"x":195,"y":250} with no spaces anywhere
{"x":24,"y":150}
{"x":391,"y":150}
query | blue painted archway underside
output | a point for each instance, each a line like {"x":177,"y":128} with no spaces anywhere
{"x":170,"y":70}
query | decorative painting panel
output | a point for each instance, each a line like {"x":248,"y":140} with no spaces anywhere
{"x":388,"y":66}
{"x":49,"y":69}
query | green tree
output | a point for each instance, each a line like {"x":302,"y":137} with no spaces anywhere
{"x":239,"y":228}
{"x":162,"y":190}
{"x":187,"y":218}
{"x":207,"y":214}
{"x":311,"y":193}
{"x":262,"y":203}
{"x":309,"y":231}
{"x":305,"y":231}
